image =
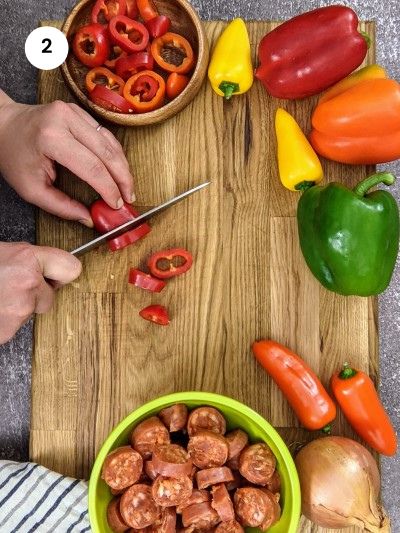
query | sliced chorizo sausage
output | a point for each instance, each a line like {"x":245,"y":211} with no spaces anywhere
{"x":200,"y":516}
{"x":172,"y":460}
{"x":122,"y":468}
{"x":149,"y":434}
{"x":229,"y":527}
{"x":253,"y":507}
{"x":198,"y":496}
{"x":206,"y":418}
{"x":174,"y":417}
{"x":114,"y":517}
{"x":274,"y":484}
{"x":237,"y":441}
{"x":171,"y":491}
{"x":150,"y":471}
{"x":238,"y":481}
{"x":275,"y":513}
{"x":213,"y":476}
{"x":208,"y":449}
{"x":257,"y":463}
{"x":222,"y":503}
{"x":165,"y":524}
{"x":138,"y":508}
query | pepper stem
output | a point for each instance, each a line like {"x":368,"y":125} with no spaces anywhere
{"x":327,"y":429}
{"x":347,"y":372}
{"x":371,"y":181}
{"x":367,"y":38}
{"x":304,"y":185}
{"x":228,"y":88}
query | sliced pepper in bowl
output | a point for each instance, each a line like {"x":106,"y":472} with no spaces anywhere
{"x":173,"y":53}
{"x":145,"y":91}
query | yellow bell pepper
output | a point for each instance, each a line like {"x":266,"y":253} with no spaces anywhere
{"x":230,"y":71}
{"x":299,"y":166}
{"x":370,"y":72}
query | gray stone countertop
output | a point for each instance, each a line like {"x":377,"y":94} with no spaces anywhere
{"x":18,"y":79}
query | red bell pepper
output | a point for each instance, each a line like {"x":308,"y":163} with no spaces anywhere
{"x":145,"y":281}
{"x":105,"y":218}
{"x":176,"y":83}
{"x":145,"y":91}
{"x":155,"y":313}
{"x":158,"y":26}
{"x":91,"y":45}
{"x":115,"y":53}
{"x":110,"y":100}
{"x":131,"y":65}
{"x":104,"y":10}
{"x":169,"y":263}
{"x":130,"y":35}
{"x":311,"y":52}
{"x":132,"y":10}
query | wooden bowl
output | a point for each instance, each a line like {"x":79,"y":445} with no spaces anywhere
{"x":184,"y":20}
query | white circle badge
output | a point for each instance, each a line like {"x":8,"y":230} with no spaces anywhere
{"x":46,"y":48}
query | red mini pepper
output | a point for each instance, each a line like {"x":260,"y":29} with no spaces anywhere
{"x":155,"y":313}
{"x":176,"y":83}
{"x":145,"y":281}
{"x":145,"y":91}
{"x":360,"y":403}
{"x":131,"y":65}
{"x":115,"y":53}
{"x":302,"y":388}
{"x":147,"y":9}
{"x":169,"y":263}
{"x":158,"y":26}
{"x":130,"y":35}
{"x":91,"y":45}
{"x":105,"y":218}
{"x":110,"y":100}
{"x":132,"y":10}
{"x":104,"y":10}
{"x":311,"y":52}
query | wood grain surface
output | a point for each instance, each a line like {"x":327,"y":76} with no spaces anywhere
{"x":96,"y":360}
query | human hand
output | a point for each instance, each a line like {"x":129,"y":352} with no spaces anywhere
{"x":33,"y":138}
{"x":24,"y":274}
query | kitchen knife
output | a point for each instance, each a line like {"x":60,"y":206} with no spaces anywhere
{"x":131,"y":224}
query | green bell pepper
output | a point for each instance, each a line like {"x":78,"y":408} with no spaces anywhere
{"x":350,"y":238}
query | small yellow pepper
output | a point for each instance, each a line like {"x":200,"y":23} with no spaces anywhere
{"x":231,"y":71}
{"x":299,"y":166}
{"x":370,"y":72}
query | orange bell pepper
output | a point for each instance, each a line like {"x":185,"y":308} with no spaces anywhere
{"x":360,"y":125}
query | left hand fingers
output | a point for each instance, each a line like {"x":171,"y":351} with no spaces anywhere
{"x":106,"y":147}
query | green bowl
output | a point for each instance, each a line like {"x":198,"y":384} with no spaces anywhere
{"x":237,"y":415}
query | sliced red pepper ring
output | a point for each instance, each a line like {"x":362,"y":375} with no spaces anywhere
{"x":173,"y":53}
{"x":176,"y":83}
{"x":91,"y":45}
{"x":104,"y":10}
{"x":105,"y":218}
{"x":110,"y":100}
{"x":147,"y":9}
{"x":130,"y":35}
{"x":158,"y":26}
{"x":145,"y":91}
{"x":132,"y":10}
{"x":131,"y":65}
{"x":169,"y":263}
{"x":155,"y":313}
{"x":145,"y":281}
{"x":115,"y":54}
{"x":104,"y":77}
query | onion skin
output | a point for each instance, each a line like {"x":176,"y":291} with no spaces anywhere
{"x":340,"y":485}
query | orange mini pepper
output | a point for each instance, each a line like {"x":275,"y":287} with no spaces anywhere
{"x":360,"y":125}
{"x":173,"y":53}
{"x":145,"y":91}
{"x":360,"y":403}
{"x":176,"y":83}
{"x":103,"y":76}
{"x":301,"y":387}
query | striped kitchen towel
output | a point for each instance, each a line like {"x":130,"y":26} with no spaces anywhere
{"x":33,"y":498}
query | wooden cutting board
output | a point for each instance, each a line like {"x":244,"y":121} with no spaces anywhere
{"x":96,"y":360}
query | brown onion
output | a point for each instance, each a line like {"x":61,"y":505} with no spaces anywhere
{"x":340,"y":485}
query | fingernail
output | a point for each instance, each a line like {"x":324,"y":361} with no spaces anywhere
{"x":133,"y":198}
{"x":120,"y":203}
{"x":87,"y":222}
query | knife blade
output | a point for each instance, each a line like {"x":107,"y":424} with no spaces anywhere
{"x":131,"y":224}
